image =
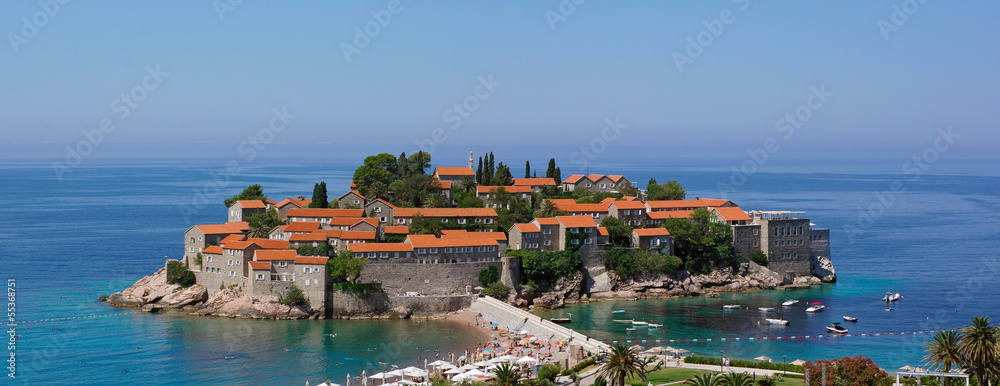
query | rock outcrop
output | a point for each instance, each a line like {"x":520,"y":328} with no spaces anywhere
{"x":153,"y":294}
{"x":822,"y":268}
{"x":682,"y":283}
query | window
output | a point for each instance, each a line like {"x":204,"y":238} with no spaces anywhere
{"x":461,"y":221}
{"x":357,"y":201}
{"x":547,"y":231}
{"x":378,"y":209}
{"x":488,"y":221}
{"x":755,"y":231}
{"x":434,"y":250}
{"x":574,"y":230}
{"x":479,"y":220}
{"x":359,"y":254}
{"x":448,"y":250}
{"x":260,"y":276}
{"x":548,"y":242}
{"x":575,"y":241}
{"x":422,"y":251}
{"x":210,"y":259}
{"x":305,"y":270}
{"x":400,"y":221}
{"x":384,"y":255}
{"x":588,"y":241}
{"x":371,"y":255}
{"x":590,"y":230}
{"x":493,"y":249}
{"x":307,"y":282}
{"x":407,"y":254}
{"x":381,"y":219}
{"x":604,"y":186}
{"x":192,"y":239}
{"x":282,"y":263}
{"x":191,"y":249}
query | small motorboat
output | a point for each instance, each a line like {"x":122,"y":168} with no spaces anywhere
{"x":836,"y":328}
{"x":888,"y":308}
{"x":623,"y":320}
{"x":562,"y":320}
{"x":765,"y":309}
{"x":629,"y":329}
{"x":790,"y":302}
{"x":637,"y":323}
{"x":850,"y":318}
{"x":655,"y":325}
{"x":617,"y":312}
{"x":816,"y":308}
{"x":731,"y":307}
{"x":780,"y":322}
{"x":891,"y":297}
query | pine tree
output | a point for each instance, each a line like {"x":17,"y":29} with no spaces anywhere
{"x":479,"y":172}
{"x":403,"y":166}
{"x":527,"y":169}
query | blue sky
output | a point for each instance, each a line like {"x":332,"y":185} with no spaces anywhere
{"x":222,"y":77}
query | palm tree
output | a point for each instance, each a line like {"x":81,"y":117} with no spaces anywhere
{"x":942,"y":352}
{"x":623,"y":361}
{"x":980,"y":349}
{"x":600,"y":381}
{"x":507,"y":375}
{"x":705,"y":379}
{"x":258,"y":231}
{"x":467,"y":183}
{"x":736,"y":379}
{"x":546,"y":209}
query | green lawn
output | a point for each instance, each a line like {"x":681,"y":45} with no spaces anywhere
{"x":665,"y":375}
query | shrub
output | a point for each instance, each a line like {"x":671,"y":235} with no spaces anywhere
{"x":548,"y":372}
{"x":742,"y":363}
{"x":177,"y":273}
{"x":547,"y":266}
{"x":294,"y":297}
{"x":355,"y":288}
{"x":579,"y":367}
{"x":627,"y":263}
{"x":497,"y":290}
{"x":489,"y":275}
{"x":320,"y":249}
{"x":759,"y":257}
{"x":198,"y":259}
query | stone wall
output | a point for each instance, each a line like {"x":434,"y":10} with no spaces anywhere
{"x":516,"y":320}
{"x":339,"y":304}
{"x":427,"y":279}
{"x":510,"y":272}
{"x":430,"y":305}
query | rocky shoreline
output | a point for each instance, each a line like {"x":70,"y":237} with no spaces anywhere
{"x":153,"y":294}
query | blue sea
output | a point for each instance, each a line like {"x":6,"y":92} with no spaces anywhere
{"x":930,"y":236}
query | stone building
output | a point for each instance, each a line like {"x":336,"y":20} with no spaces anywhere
{"x":594,"y":182}
{"x":632,"y":213}
{"x":351,"y":200}
{"x":656,"y":240}
{"x":461,"y":216}
{"x":198,"y":237}
{"x":291,"y":203}
{"x":536,"y":184}
{"x":785,"y":239}
{"x":453,"y":173}
{"x":489,"y":194}
{"x":242,"y":210}
{"x":381,"y":210}
{"x":322,"y":215}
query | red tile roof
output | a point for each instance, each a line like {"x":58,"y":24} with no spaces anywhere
{"x":387,"y":203}
{"x":587,"y":208}
{"x":608,"y":201}
{"x":214,"y":249}
{"x":733,"y":213}
{"x":603,"y":231}
{"x":454,"y":171}
{"x":563,"y":201}
{"x":303,"y":226}
{"x":463,"y":234}
{"x":429,"y":241}
{"x":510,"y":189}
{"x":573,"y":179}
{"x":236,"y":245}
{"x":325,"y":212}
{"x":527,"y":228}
{"x":274,"y":254}
{"x":534,"y":182}
{"x":311,"y":260}
{"x":294,"y":201}
{"x":547,"y":221}
{"x":629,"y":205}
{"x":380,"y":247}
{"x":577,"y":221}
{"x":595,"y":177}
{"x":357,"y":235}
{"x":307,"y":237}
{"x":252,"y":204}
{"x":677,"y":204}
{"x":615,"y":178}
{"x":352,"y":191}
{"x":260,"y":265}
{"x":270,"y":244}
{"x":643,"y":232}
{"x":222,"y":229}
{"x":270,"y":201}
{"x":665,"y":214}
{"x":233,"y":237}
{"x":401,"y":229}
{"x":445,"y":212}
{"x":441,"y":184}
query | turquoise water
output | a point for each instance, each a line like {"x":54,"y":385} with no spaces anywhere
{"x":111,"y":222}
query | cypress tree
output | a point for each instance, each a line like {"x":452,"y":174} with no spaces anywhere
{"x":527,"y":169}
{"x":557,"y":176}
{"x":403,"y":166}
{"x":479,"y":172}
{"x":551,"y":171}
{"x":490,"y":169}
{"x":319,"y":199}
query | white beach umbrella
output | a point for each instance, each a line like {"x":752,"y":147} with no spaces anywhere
{"x":505,"y":358}
{"x":455,"y":371}
{"x":467,"y":367}
{"x":527,"y":360}
{"x":482,"y":364}
{"x":798,"y":362}
{"x":414,"y":372}
{"x":474,"y":373}
{"x":438,"y":363}
{"x":379,"y":376}
{"x":405,"y":382}
{"x":762,"y":358}
{"x":395,"y":373}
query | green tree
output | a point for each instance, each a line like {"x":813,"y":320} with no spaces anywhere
{"x":319,"y":198}
{"x":527,"y":169}
{"x":411,"y":192}
{"x":420,"y":225}
{"x":979,"y":347}
{"x":557,"y":176}
{"x":704,"y":379}
{"x":759,"y":257}
{"x":671,"y":190}
{"x":345,"y":267}
{"x":294,"y":297}
{"x":546,"y":209}
{"x":403,"y":166}
{"x":701,"y":243}
{"x":252,"y":192}
{"x":261,"y":224}
{"x":488,"y":170}
{"x":549,"y":372}
{"x":507,"y":375}
{"x":320,"y":249}
{"x":489,"y":275}
{"x":510,"y":209}
{"x":857,"y":370}
{"x":479,"y":171}
{"x":467,"y":183}
{"x":550,"y":172}
{"x":942,"y":351}
{"x":736,"y":379}
{"x":497,"y":290}
{"x":623,"y":361}
{"x":178,"y":274}
{"x":198,"y":259}
{"x":626,"y":189}
{"x":381,"y":167}
{"x":378,"y":189}
{"x":619,"y":234}
{"x":503,"y":176}
{"x":419,"y":162}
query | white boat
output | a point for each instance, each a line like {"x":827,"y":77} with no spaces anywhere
{"x":731,"y":307}
{"x":630,"y":329}
{"x":816,"y":308}
{"x":654,"y":325}
{"x":836,"y":328}
{"x":777,"y":321}
{"x":765,"y":309}
{"x":617,"y":312}
{"x":635,"y":323}
{"x":891,"y":297}
{"x":850,"y":318}
{"x":623,"y":320}
{"x":790,"y":302}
